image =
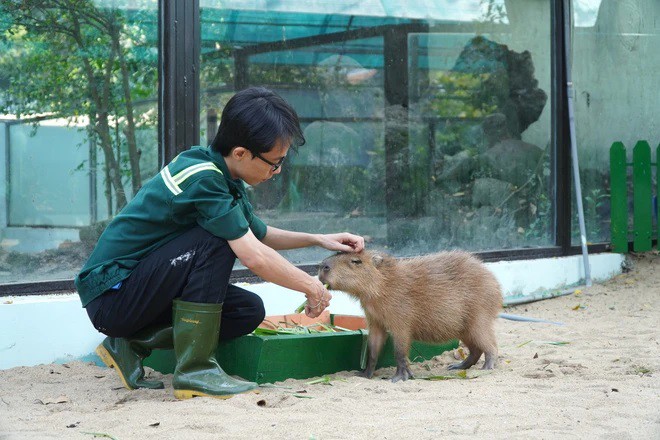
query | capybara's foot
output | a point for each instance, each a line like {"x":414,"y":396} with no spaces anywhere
{"x":472,"y":359}
{"x":365,"y":373}
{"x":402,"y":374}
{"x":459,"y":366}
{"x":467,"y":363}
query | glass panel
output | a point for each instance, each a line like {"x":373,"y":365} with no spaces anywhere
{"x":78,"y":115}
{"x":616,"y":77}
{"x":427,"y":128}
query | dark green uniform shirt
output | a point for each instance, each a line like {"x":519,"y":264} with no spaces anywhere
{"x":194,"y":189}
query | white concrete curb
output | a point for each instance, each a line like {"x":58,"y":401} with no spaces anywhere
{"x":55,"y":328}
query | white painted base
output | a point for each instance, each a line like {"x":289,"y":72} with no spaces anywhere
{"x":55,"y":328}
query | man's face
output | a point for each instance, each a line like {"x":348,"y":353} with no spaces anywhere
{"x":257,"y":168}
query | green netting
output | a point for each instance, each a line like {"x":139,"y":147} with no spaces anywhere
{"x":234,"y":24}
{"x":240,"y":24}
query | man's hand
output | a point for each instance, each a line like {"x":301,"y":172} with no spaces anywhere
{"x":317,"y":300}
{"x":343,"y":242}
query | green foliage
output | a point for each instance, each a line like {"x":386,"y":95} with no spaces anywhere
{"x":540,"y":227}
{"x":457,"y":95}
{"x":71,"y":59}
{"x":594,"y":200}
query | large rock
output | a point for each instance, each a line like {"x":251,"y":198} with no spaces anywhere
{"x":458,"y":167}
{"x":495,"y":129}
{"x":487,"y":191}
{"x":511,"y":160}
{"x":509,"y":81}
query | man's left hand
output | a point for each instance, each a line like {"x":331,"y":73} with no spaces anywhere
{"x":343,"y":242}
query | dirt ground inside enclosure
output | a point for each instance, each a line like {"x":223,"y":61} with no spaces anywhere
{"x":596,"y":377}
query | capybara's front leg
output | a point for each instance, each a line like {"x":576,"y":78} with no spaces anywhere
{"x":377,"y":336}
{"x":401,"y":349}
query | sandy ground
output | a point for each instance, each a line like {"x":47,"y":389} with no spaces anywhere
{"x":603,"y":383}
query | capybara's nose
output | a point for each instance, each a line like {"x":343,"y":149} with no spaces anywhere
{"x":324,"y":268}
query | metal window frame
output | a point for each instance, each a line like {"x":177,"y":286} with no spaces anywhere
{"x":179,"y":127}
{"x":560,"y":129}
{"x":179,"y":45}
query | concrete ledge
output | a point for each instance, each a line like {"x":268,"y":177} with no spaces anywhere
{"x":55,"y":328}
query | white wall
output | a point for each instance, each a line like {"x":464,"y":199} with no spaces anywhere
{"x":616,"y":76}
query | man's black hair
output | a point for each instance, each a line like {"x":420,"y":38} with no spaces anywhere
{"x":256,"y":118}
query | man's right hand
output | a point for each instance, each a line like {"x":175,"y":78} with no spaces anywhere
{"x":270,"y":266}
{"x":318,"y":299}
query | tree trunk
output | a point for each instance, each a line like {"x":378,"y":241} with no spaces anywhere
{"x":102,"y":125}
{"x":129,"y":131}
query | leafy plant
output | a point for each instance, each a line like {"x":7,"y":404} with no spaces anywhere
{"x":593,"y":202}
{"x":71,"y":59}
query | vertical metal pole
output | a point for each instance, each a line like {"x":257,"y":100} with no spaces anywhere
{"x":656,"y":200}
{"x":398,"y":203}
{"x":178,"y":76}
{"x":4,"y":216}
{"x":574,"y":153}
{"x":561,"y":151}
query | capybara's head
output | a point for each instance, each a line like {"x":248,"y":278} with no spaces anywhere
{"x":356,"y":273}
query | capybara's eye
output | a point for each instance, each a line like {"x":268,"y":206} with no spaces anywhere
{"x":356,"y":261}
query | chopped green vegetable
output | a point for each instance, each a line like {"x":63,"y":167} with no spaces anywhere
{"x":545,"y":342}
{"x":325,"y":380}
{"x":301,"y":307}
{"x":317,"y":327}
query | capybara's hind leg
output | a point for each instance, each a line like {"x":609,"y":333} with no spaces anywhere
{"x":486,"y":341}
{"x":490,"y":349}
{"x":472,"y":359}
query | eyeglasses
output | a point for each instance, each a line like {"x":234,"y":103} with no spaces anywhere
{"x":274,"y":166}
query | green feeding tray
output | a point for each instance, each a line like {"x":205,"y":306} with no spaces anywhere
{"x":272,"y":358}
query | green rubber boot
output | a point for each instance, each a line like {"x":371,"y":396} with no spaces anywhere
{"x":125,"y":355}
{"x":197,"y":373}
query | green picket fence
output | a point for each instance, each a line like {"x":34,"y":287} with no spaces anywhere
{"x":644,"y":203}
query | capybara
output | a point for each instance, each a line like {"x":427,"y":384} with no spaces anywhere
{"x":433,"y":298}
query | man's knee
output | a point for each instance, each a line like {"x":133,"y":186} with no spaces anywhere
{"x":259,"y":310}
{"x":252,"y":310}
{"x":243,"y":319}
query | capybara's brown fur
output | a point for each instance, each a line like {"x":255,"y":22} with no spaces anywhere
{"x":433,"y":298}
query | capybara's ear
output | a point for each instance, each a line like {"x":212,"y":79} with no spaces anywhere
{"x":377,"y":259}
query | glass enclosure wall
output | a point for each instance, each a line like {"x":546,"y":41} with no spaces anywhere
{"x":78,"y":114}
{"x":616,"y":59}
{"x":428,"y":127}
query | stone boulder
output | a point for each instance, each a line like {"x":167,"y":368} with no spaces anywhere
{"x":509,"y":81}
{"x":511,"y":160}
{"x":487,"y":191}
{"x":458,"y":167}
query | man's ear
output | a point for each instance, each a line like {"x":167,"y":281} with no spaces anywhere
{"x":239,"y":153}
